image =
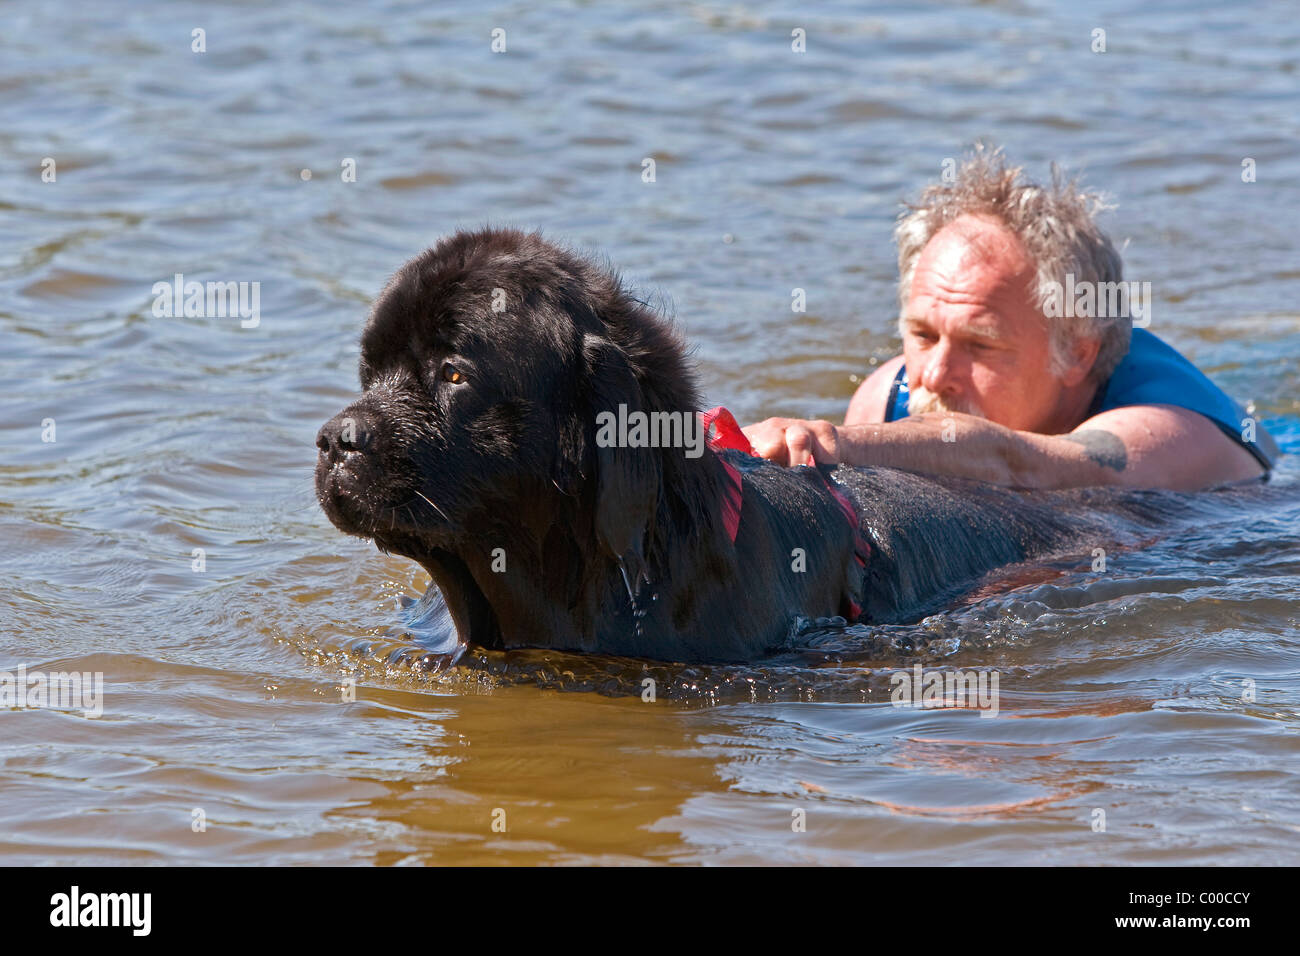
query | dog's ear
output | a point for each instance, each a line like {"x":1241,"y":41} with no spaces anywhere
{"x":627,"y":479}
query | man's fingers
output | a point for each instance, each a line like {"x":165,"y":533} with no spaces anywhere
{"x":798,"y":444}
{"x":767,"y":438}
{"x":788,"y":441}
{"x":771,"y":449}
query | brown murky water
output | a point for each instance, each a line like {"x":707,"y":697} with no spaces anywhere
{"x":1164,"y":691}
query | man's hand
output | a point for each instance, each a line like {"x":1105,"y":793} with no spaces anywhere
{"x":793,"y":441}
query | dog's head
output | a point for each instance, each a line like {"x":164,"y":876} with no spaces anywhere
{"x":484,"y":364}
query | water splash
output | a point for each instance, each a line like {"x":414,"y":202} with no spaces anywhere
{"x":427,"y":622}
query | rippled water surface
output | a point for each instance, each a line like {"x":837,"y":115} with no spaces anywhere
{"x":1164,"y":691}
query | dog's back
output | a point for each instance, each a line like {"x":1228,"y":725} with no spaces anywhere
{"x":933,"y":538}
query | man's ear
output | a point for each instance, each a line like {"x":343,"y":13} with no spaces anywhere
{"x":627,"y":479}
{"x":1081,"y":356}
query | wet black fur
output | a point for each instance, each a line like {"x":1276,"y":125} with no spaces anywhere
{"x":446,"y":474}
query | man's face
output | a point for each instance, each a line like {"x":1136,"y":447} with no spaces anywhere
{"x":973,"y":340}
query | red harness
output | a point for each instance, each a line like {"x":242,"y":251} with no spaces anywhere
{"x":727,"y":434}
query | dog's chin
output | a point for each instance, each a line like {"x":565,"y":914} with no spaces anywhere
{"x":362,"y":506}
{"x":393,"y":532}
{"x":347,"y":513}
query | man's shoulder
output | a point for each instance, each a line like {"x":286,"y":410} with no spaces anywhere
{"x":868,"y":405}
{"x":1154,"y":374}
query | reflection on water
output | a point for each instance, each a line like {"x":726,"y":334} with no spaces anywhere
{"x":267,"y":679}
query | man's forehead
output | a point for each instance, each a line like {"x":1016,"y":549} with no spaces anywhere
{"x":979,"y":250}
{"x":977,"y":273}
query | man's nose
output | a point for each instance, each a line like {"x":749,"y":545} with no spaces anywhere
{"x":937,"y":374}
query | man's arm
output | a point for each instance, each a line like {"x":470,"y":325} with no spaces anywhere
{"x":1143,"y":446}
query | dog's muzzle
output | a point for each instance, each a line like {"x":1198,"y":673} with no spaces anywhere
{"x":346,"y":473}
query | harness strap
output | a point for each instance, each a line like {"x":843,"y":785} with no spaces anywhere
{"x":727,"y":435}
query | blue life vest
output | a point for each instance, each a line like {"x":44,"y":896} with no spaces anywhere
{"x":1152,"y":373}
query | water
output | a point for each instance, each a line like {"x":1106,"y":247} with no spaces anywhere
{"x":224,"y":689}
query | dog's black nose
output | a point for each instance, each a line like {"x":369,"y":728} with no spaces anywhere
{"x":346,"y":432}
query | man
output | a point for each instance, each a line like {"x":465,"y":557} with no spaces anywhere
{"x":1003,"y":379}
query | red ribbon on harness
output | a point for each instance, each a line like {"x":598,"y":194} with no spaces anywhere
{"x":727,"y":434}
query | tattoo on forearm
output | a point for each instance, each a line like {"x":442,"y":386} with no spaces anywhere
{"x":1102,"y":447}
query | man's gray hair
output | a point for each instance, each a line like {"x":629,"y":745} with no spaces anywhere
{"x":1057,"y":228}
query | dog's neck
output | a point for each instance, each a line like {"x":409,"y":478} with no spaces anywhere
{"x":548,"y":583}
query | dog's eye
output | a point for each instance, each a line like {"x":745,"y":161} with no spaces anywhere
{"x":451,"y":373}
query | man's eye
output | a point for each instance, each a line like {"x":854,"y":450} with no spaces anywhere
{"x":451,"y":373}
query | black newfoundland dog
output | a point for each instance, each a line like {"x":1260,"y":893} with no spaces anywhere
{"x":490,"y":365}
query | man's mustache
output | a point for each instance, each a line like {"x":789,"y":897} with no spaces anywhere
{"x":921,"y":400}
